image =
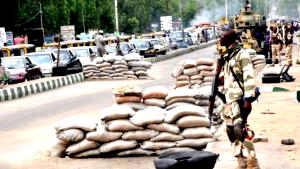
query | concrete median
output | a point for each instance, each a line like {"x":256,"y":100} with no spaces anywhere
{"x":38,"y":86}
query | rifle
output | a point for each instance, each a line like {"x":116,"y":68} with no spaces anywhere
{"x":214,"y":91}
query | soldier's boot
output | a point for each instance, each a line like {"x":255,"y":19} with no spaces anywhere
{"x":242,"y":162}
{"x":252,"y":162}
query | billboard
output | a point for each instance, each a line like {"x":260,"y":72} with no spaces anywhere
{"x":166,"y":23}
{"x":67,"y":32}
{"x":2,"y":36}
{"x":9,"y":38}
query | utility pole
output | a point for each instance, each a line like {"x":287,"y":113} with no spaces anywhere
{"x":213,"y":16}
{"x":226,"y":9}
{"x":181,"y":17}
{"x":83,"y":20}
{"x":116,"y":15}
{"x":257,"y":6}
{"x":41,"y":17}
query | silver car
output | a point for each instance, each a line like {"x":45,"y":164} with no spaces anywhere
{"x":44,"y":60}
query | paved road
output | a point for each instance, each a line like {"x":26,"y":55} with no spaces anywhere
{"x":26,"y":123}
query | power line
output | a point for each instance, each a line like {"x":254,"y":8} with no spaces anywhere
{"x":29,"y":19}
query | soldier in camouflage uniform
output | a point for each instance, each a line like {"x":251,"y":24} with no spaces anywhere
{"x":238,"y":85}
{"x":289,"y":32}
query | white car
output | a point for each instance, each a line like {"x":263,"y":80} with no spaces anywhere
{"x":83,"y":53}
{"x":44,"y":60}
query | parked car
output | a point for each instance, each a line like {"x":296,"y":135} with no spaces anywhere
{"x":84,"y":53}
{"x":68,"y":63}
{"x":146,"y":48}
{"x":44,"y":60}
{"x":177,"y":35}
{"x":21,"y":69}
{"x":160,"y":49}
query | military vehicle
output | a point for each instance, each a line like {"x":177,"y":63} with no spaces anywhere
{"x":249,"y":21}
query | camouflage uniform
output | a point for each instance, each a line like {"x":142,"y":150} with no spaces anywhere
{"x":243,"y":69}
{"x":289,"y":44}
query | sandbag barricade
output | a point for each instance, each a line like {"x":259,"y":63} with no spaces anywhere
{"x":109,"y":67}
{"x":129,"y":129}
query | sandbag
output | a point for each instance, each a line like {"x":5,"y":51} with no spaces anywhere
{"x":135,"y":69}
{"x":120,"y":62}
{"x":144,"y":77}
{"x":172,"y":106}
{"x":141,"y":73}
{"x":196,"y":77}
{"x":165,"y":136}
{"x":102,"y":135}
{"x":118,"y":145}
{"x":186,"y":159}
{"x":164,"y":127}
{"x":104,"y":64}
{"x":118,"y":66}
{"x":197,"y":132}
{"x":194,"y":143}
{"x":182,"y":83}
{"x":155,"y":92}
{"x":180,"y":92}
{"x":174,"y":150}
{"x":190,"y":71}
{"x":183,"y":78}
{"x":122,"y":125}
{"x":189,"y":64}
{"x":202,"y":102}
{"x":116,"y":75}
{"x":205,"y":68}
{"x":155,"y":102}
{"x":140,"y":135}
{"x":82,"y":122}
{"x":205,"y":61}
{"x":58,"y":149}
{"x":70,"y":135}
{"x":177,"y":71}
{"x":81,"y":147}
{"x":87,"y":154}
{"x":132,"y":57}
{"x":192,"y":121}
{"x":127,"y":90}
{"x":183,"y":99}
{"x":135,"y":153}
{"x":149,"y":145}
{"x":208,"y":79}
{"x":108,"y":68}
{"x":116,"y":112}
{"x":145,"y":64}
{"x":106,"y":78}
{"x":135,"y":106}
{"x":129,"y":72}
{"x":131,"y":77}
{"x":98,"y":60}
{"x":193,"y":82}
{"x":185,"y":110}
{"x":206,"y":73}
{"x":111,"y":59}
{"x":151,"y":115}
{"x":126,"y":99}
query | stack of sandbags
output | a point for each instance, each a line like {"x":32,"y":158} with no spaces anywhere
{"x":71,"y":139}
{"x":206,"y":68}
{"x":193,"y":123}
{"x":194,"y":73}
{"x":130,"y":96}
{"x":155,"y":96}
{"x":109,"y":67}
{"x":90,"y":71}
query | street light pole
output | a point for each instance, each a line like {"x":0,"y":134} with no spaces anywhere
{"x":41,"y":18}
{"x":181,"y":17}
{"x":116,"y":15}
{"x":226,"y":9}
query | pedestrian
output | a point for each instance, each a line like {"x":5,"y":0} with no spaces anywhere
{"x":3,"y":76}
{"x":239,"y":91}
{"x":275,"y":44}
{"x":119,"y":50}
{"x":100,"y":44}
{"x":288,"y":39}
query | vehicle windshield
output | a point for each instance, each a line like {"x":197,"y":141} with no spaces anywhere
{"x":111,"y":49}
{"x":13,"y":63}
{"x":40,"y":58}
{"x":144,"y":45}
{"x":155,"y":42}
{"x":176,"y":35}
{"x":63,"y":55}
{"x":82,"y":52}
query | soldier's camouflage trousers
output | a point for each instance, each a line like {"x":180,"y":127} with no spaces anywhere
{"x":275,"y":53}
{"x":289,"y":49}
{"x":241,"y":145}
